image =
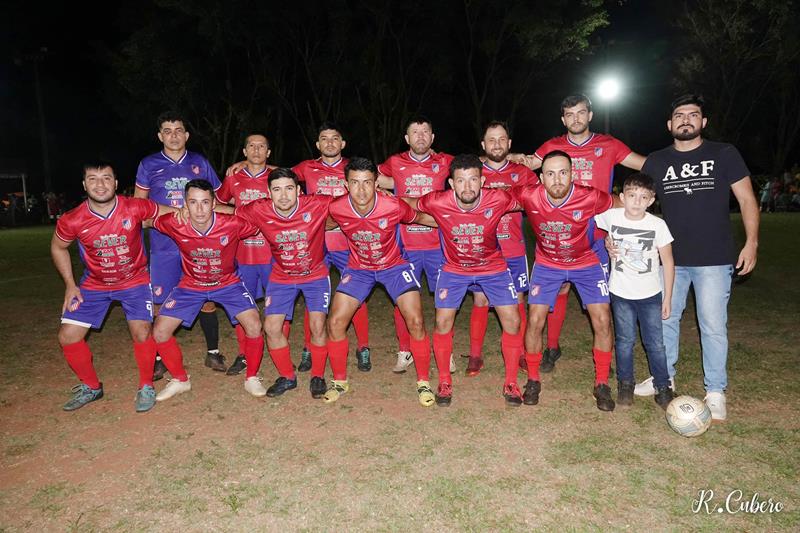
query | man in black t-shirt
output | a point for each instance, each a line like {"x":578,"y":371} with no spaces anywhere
{"x":693,"y":179}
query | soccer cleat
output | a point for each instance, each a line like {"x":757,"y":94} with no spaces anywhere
{"x":474,"y":366}
{"x":426,"y":397}
{"x":664,"y":395}
{"x":362,"y":357}
{"x":404,"y":360}
{"x":549,"y":358}
{"x":602,"y":393}
{"x":159,"y":369}
{"x":512,"y":395}
{"x":452,"y":364}
{"x":239,"y":364}
{"x":625,"y":393}
{"x":215,"y":361}
{"x":444,"y":395}
{"x":531,"y":394}
{"x":173,"y":388}
{"x":317,"y":387}
{"x":336,"y":389}
{"x":647,"y":387}
{"x":81,"y":395}
{"x":280,"y":386}
{"x":716,"y":403}
{"x":305,"y":360}
{"x":145,"y":399}
{"x":253,"y":386}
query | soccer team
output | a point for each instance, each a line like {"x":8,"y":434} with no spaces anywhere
{"x":273,"y":233}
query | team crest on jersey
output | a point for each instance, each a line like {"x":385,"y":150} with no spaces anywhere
{"x":169,"y":304}
{"x":346,"y":278}
{"x":383,"y":223}
{"x":577,"y":215}
{"x":157,"y":290}
{"x":534,"y":290}
{"x":196,"y":170}
{"x":514,"y":177}
{"x":306,"y":217}
{"x":488,"y":212}
{"x":598,"y":152}
{"x":126,"y":223}
{"x":435,"y":167}
{"x":223,"y":240}
{"x":442,"y":294}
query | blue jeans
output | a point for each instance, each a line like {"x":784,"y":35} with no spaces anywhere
{"x":647,"y":312}
{"x":712,"y":290}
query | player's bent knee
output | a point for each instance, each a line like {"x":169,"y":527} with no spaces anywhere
{"x":68,"y":335}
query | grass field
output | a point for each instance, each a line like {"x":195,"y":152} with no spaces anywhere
{"x":216,"y":459}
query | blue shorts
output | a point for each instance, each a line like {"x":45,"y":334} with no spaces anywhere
{"x":338,"y":259}
{"x":518,"y":266}
{"x":137,"y":304}
{"x":427,"y":261}
{"x":397,"y":281}
{"x":186,"y":303}
{"x":165,"y":273}
{"x":255,"y":278}
{"x":451,"y":288}
{"x":590,"y":281}
{"x":279,"y":298}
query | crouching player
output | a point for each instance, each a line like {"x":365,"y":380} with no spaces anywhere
{"x":207,"y":243}
{"x":108,"y":229}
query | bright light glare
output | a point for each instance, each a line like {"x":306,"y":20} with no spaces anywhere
{"x":608,"y":89}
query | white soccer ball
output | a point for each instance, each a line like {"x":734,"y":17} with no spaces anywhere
{"x":688,"y":416}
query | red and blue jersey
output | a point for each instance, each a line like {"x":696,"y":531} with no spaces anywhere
{"x":470,"y":237}
{"x":563,"y":232}
{"x":373,"y":237}
{"x":322,"y":178}
{"x":414,"y":178}
{"x":592,"y":161}
{"x":297,"y":240}
{"x":110,"y":246}
{"x":240,"y":189}
{"x":509,"y":231}
{"x":207,"y":258}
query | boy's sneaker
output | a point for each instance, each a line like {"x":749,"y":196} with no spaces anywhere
{"x":145,"y":398}
{"x":549,"y":358}
{"x":444,"y":395}
{"x":335,"y":391}
{"x":715,"y":402}
{"x":280,"y":386}
{"x":404,"y":360}
{"x":531,"y":394}
{"x":305,"y":360}
{"x":602,"y":393}
{"x":239,"y":365}
{"x":664,"y":395}
{"x":159,"y":369}
{"x":173,"y":388}
{"x":426,"y":397}
{"x":512,"y":395}
{"x":317,"y":387}
{"x":216,"y":361}
{"x":81,"y":395}
{"x":254,"y":386}
{"x":625,"y":393}
{"x":362,"y":356}
{"x":474,"y":366}
{"x":646,"y":387}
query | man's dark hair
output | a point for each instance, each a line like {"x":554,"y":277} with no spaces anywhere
{"x":280,"y":173}
{"x":244,"y":141}
{"x":419,"y":119}
{"x":203,"y":185}
{"x":497,"y":124}
{"x":358,"y":164}
{"x":641,"y":180}
{"x":170,"y":116}
{"x":557,"y":153}
{"x":575,"y":99}
{"x":465,"y":161}
{"x":329,"y":125}
{"x":689,"y":99}
{"x":97,"y":164}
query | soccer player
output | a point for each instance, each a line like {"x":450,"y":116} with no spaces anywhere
{"x":108,"y":229}
{"x":593,"y":158}
{"x":207,"y":244}
{"x":325,"y":175}
{"x":499,"y":172}
{"x":294,"y":227}
{"x":369,"y":220}
{"x":253,"y":258}
{"x":560,"y":213}
{"x":412,"y":174}
{"x":162,"y":177}
{"x":468,"y":218}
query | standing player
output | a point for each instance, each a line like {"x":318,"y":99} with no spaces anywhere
{"x":207,"y":243}
{"x":108,"y":229}
{"x":500,"y":173}
{"x":369,"y":220}
{"x":560,"y":213}
{"x":325,"y":175}
{"x":294,"y":227}
{"x":413,"y":174}
{"x":162,"y":177}
{"x":593,"y":158}
{"x":468,"y":219}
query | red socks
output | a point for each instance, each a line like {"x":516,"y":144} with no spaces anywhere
{"x":512,"y":348}
{"x":319,"y":356}
{"x":421,"y":351}
{"x":145,"y":355}
{"x":602,"y":365}
{"x":253,"y":353}
{"x":172,"y":357}
{"x":306,"y":330}
{"x":79,"y":359}
{"x":523,"y":320}
{"x":337,"y":351}
{"x":442,"y":349}
{"x":287,"y":328}
{"x":361,"y":325}
{"x":477,"y":329}
{"x":240,"y":338}
{"x":555,"y":320}
{"x":282,"y":360}
{"x":533,"y":360}
{"x":403,"y":336}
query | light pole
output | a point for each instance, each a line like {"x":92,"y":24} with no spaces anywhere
{"x":608,"y":90}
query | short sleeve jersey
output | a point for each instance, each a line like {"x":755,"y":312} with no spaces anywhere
{"x":372,"y":237}
{"x":412,"y":179}
{"x":509,"y":231}
{"x":563,"y":232}
{"x":240,"y":189}
{"x":694,"y":190}
{"x":592,"y":161}
{"x":207,"y":258}
{"x":297,"y":240}
{"x":165,"y":179}
{"x":322,"y":178}
{"x":111,"y":246}
{"x":469,"y":236}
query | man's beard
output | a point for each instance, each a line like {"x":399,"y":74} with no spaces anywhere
{"x":686,"y":136}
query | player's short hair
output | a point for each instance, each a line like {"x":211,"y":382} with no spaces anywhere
{"x":465,"y":161}
{"x":640,"y":180}
{"x":203,"y":185}
{"x":575,"y":99}
{"x":97,"y":165}
{"x":329,"y":125}
{"x":280,"y":173}
{"x":170,"y":116}
{"x":419,"y":119}
{"x":689,"y":99}
{"x":497,"y":124}
{"x":246,"y":137}
{"x":557,"y":153}
{"x":359,"y":164}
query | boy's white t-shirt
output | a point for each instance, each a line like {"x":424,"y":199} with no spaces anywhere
{"x":635,"y":274}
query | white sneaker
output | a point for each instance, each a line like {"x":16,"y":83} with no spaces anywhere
{"x":173,"y":387}
{"x":253,"y":386}
{"x":716,"y":403}
{"x":646,"y":387}
{"x":452,"y":365}
{"x":404,"y":360}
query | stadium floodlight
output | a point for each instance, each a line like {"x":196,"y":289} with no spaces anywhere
{"x":608,"y":90}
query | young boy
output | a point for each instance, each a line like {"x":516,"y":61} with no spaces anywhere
{"x":640,"y":238}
